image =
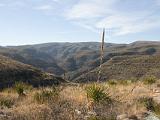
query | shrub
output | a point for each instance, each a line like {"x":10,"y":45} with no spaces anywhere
{"x":46,"y":96}
{"x":150,"y":51}
{"x":21,"y":87}
{"x":6,"y":102}
{"x":97,"y":93}
{"x":149,"y":80}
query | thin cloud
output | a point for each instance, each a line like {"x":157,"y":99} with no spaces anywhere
{"x":129,"y":24}
{"x":111,"y":15}
{"x":44,"y":7}
{"x":56,"y":0}
{"x":87,"y":26}
{"x":89,"y":9}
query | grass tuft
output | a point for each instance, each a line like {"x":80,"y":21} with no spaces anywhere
{"x":6,"y":102}
{"x":150,"y":105}
{"x":149,"y":80}
{"x":46,"y":95}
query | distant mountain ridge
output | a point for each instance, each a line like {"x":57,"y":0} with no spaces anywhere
{"x":76,"y":59}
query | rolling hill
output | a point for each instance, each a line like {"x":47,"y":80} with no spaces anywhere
{"x":12,"y":71}
{"x":76,"y":59}
{"x":125,"y":68}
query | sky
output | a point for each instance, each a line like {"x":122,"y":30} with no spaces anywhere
{"x":41,"y":21}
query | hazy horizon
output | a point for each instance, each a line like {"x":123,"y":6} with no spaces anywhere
{"x":41,"y":21}
{"x":81,"y":42}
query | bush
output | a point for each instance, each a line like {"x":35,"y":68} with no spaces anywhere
{"x":21,"y":87}
{"x":5,"y":102}
{"x":46,"y":96}
{"x":149,"y":80}
{"x":150,"y":51}
{"x":97,"y":93}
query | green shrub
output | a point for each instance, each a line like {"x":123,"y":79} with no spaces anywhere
{"x":46,"y":96}
{"x":21,"y":87}
{"x":149,"y":80}
{"x":150,"y":50}
{"x":6,"y":102}
{"x":97,"y":93}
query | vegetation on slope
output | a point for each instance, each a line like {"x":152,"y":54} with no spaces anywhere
{"x":12,"y":71}
{"x":126,"y":68}
{"x":75,"y":59}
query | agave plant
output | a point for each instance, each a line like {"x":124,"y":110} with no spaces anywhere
{"x":97,"y":94}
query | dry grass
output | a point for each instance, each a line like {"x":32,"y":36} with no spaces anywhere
{"x":72,"y":103}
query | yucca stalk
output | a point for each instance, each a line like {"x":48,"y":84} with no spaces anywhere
{"x":101,"y":55}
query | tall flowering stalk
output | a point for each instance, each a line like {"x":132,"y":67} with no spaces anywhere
{"x":101,"y":56}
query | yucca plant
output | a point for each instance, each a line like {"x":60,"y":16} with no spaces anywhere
{"x":19,"y":87}
{"x":97,"y":93}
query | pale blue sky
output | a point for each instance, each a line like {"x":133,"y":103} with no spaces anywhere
{"x":41,"y":21}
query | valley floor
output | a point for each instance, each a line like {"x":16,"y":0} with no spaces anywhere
{"x":128,"y":100}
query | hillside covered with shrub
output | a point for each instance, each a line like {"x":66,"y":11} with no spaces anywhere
{"x":126,"y":68}
{"x":12,"y":71}
{"x":75,"y":59}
